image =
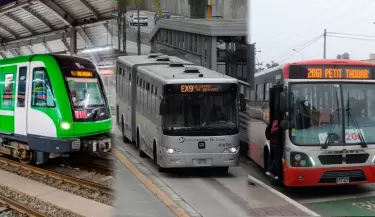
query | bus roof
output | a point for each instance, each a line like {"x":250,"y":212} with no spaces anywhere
{"x":168,"y":75}
{"x":317,"y":62}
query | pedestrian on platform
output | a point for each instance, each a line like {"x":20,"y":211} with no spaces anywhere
{"x":274,"y":157}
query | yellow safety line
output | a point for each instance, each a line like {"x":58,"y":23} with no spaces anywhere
{"x":148,"y":183}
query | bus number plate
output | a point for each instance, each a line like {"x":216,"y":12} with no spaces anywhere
{"x":202,"y":162}
{"x":342,"y":180}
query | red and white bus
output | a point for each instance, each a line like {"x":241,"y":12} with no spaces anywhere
{"x":317,"y":98}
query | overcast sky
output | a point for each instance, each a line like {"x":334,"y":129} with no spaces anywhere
{"x":278,"y":26}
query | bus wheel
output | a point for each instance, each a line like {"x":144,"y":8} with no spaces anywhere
{"x":265,"y":158}
{"x":160,"y":169}
{"x":124,"y":139}
{"x":223,"y":170}
{"x":137,"y":140}
{"x":244,"y":148}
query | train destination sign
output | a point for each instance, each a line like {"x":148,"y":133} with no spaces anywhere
{"x":316,"y":72}
{"x":200,"y":88}
{"x":82,"y":74}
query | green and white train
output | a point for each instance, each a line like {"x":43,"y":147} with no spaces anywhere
{"x":52,"y":105}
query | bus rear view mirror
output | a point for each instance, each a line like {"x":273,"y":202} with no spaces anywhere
{"x":282,"y":103}
{"x":242,"y":103}
{"x":285,"y":124}
{"x":163,"y":107}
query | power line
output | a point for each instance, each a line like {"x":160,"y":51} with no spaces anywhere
{"x":351,"y":34}
{"x":359,"y":39}
{"x":327,"y":21}
{"x":370,"y":3}
{"x":336,"y":16}
{"x":304,"y":46}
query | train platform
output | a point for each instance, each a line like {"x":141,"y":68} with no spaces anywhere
{"x":187,"y":195}
{"x":62,"y":199}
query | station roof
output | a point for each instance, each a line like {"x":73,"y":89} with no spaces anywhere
{"x":41,"y":26}
{"x":212,"y":27}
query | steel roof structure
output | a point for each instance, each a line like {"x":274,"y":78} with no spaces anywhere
{"x":46,"y":26}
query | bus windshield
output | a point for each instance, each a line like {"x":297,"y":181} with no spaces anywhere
{"x":85,"y":92}
{"x":346,"y":110}
{"x":201,"y":111}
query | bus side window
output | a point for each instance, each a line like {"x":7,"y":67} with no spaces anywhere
{"x":42,"y":95}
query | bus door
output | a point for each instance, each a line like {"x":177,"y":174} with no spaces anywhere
{"x":276,"y":114}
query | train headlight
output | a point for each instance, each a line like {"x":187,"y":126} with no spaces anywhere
{"x":65,"y":125}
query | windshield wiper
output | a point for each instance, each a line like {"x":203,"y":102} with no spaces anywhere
{"x":352,"y":118}
{"x":330,"y":134}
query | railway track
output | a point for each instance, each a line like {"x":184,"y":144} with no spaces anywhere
{"x":11,"y":207}
{"x":17,"y":204}
{"x":91,"y":190}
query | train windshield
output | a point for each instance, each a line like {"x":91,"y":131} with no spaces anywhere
{"x":345,"y":111}
{"x":201,"y":111}
{"x":85,"y":92}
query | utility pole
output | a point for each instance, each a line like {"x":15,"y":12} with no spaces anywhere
{"x":139,"y":30}
{"x":325,"y":44}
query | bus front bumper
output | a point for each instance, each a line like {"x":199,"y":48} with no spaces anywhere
{"x":298,"y":177}
{"x":199,"y":160}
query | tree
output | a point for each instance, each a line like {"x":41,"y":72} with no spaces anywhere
{"x":157,"y":6}
{"x":271,"y":65}
{"x":260,"y":67}
{"x":122,"y":23}
{"x":138,"y":5}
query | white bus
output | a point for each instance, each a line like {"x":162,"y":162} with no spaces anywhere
{"x":327,"y":120}
{"x":178,"y":114}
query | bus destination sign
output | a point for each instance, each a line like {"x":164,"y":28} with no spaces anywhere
{"x":200,"y":88}
{"x":194,"y":88}
{"x":316,"y":72}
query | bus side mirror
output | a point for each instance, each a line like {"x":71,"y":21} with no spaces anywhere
{"x":282,"y":103}
{"x":242,"y":103}
{"x":285,"y":125}
{"x":163,"y":107}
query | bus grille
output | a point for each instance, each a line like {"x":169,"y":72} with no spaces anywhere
{"x":356,"y":158}
{"x":354,"y":176}
{"x":338,"y":159}
{"x":330,"y":159}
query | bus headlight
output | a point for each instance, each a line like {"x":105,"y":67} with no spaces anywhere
{"x":65,"y":125}
{"x":298,"y":159}
{"x":231,"y":150}
{"x":173,"y":151}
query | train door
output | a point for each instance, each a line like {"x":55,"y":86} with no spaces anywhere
{"x":40,"y":102}
{"x":7,"y":113}
{"x":20,"y":109}
{"x":276,"y":114}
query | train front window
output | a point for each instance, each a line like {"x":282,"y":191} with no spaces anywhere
{"x":346,"y":111}
{"x":201,"y":111}
{"x":85,"y":92}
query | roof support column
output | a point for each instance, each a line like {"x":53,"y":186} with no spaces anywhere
{"x":73,"y":41}
{"x":212,"y":53}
